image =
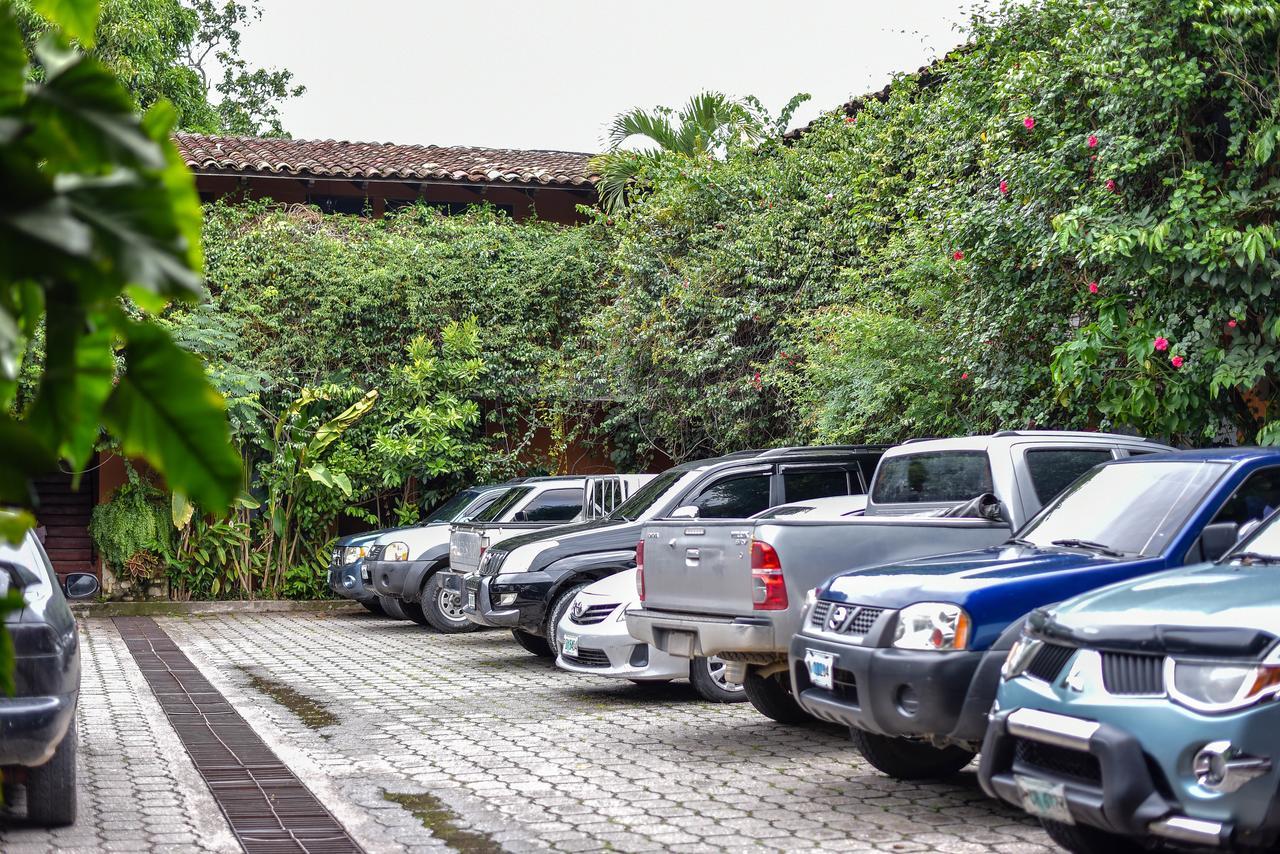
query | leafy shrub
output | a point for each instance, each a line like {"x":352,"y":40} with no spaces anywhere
{"x":132,"y":529}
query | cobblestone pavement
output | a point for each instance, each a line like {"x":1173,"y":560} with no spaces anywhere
{"x":423,"y":742}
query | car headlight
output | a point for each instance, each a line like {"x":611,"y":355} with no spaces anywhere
{"x":932,"y":625}
{"x":1021,"y":654}
{"x":351,"y":554}
{"x":396,"y":551}
{"x":1207,"y":686}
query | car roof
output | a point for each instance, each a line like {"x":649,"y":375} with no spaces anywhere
{"x":1229,"y":455}
{"x":783,"y":453}
{"x":1015,"y":437}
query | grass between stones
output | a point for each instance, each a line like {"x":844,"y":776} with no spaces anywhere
{"x":443,"y":823}
{"x":309,"y":711}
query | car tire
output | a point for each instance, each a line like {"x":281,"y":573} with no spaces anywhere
{"x":532,"y":643}
{"x":442,"y":609}
{"x":559,"y":607}
{"x":771,"y":696}
{"x":904,"y":759}
{"x":373,"y":606}
{"x":391,"y":607}
{"x":51,"y":787}
{"x":1089,"y":840}
{"x":413,"y":610}
{"x":707,"y":677}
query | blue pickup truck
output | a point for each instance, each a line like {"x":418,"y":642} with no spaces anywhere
{"x":908,"y":655}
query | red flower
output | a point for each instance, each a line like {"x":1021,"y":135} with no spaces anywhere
{"x":850,"y":119}
{"x":783,"y":354}
{"x":958,"y":255}
{"x":1093,"y":287}
{"x":1176,"y":361}
{"x":1111,"y":184}
{"x":1093,"y":141}
{"x":1028,"y":123}
{"x":1161,"y":343}
{"x":1232,"y":323}
{"x":965,"y":375}
{"x":1004,"y":188}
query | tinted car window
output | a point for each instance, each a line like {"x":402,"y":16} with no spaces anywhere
{"x":1132,"y":508}
{"x":449,"y":511}
{"x":807,"y":485}
{"x":643,"y":501}
{"x":734,"y":498}
{"x":1255,"y":499}
{"x":938,"y":477}
{"x":554,"y":505}
{"x":502,"y":505}
{"x":1054,"y":469}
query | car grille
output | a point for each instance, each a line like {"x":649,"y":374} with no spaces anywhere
{"x":375,"y":552}
{"x":588,"y":657}
{"x":492,"y":562}
{"x":1059,"y":761}
{"x":337,"y":556}
{"x":1049,"y":661}
{"x":849,"y":619}
{"x":844,"y":685}
{"x":593,"y":614}
{"x":1128,"y":674}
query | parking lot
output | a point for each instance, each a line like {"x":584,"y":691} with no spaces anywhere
{"x":416,"y":741}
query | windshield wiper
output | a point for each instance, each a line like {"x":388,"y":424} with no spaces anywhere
{"x":1254,"y":557}
{"x":1100,"y":548}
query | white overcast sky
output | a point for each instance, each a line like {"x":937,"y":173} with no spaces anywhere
{"x":552,"y":73}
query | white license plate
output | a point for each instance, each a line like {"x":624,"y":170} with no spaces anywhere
{"x":1043,"y":799}
{"x":570,"y":646}
{"x":471,"y":599}
{"x":821,"y":665}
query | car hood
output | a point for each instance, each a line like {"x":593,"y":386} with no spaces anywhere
{"x":1206,"y":594}
{"x":417,"y":536}
{"x":363,"y":538}
{"x":559,"y":533}
{"x":619,"y":587}
{"x":950,"y":577}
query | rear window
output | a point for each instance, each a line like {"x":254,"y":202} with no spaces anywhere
{"x":1054,"y":469}
{"x":554,"y":505}
{"x":941,"y":477}
{"x":502,"y":505}
{"x":808,"y":485}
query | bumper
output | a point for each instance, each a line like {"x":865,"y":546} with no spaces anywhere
{"x":351,"y":582}
{"x":608,"y":649}
{"x":476,"y":603}
{"x":32,"y":727}
{"x":943,"y":696}
{"x":399,"y":579}
{"x":691,"y":635}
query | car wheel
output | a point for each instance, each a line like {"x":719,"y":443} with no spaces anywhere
{"x":1088,"y":840}
{"x":51,"y":787}
{"x":443,"y":608}
{"x":559,"y":608}
{"x":534,"y":644}
{"x":771,"y":696}
{"x":391,"y":607}
{"x":373,"y":606}
{"x":707,"y":676}
{"x":905,"y":759}
{"x":413,"y":610}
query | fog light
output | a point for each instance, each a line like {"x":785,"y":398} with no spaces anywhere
{"x":505,"y":599}
{"x":908,"y":701}
{"x":1223,"y":768}
{"x":348,"y":582}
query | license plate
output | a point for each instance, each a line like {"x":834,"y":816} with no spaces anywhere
{"x":1044,"y":800}
{"x":471,"y":599}
{"x":570,"y":645}
{"x":821,"y":665}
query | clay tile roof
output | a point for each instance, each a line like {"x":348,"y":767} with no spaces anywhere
{"x":304,"y":158}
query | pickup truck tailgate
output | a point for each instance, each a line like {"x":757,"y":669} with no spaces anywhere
{"x":702,"y":567}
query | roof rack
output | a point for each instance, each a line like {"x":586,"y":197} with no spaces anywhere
{"x":1081,"y":433}
{"x":809,"y":449}
{"x":915,"y":439}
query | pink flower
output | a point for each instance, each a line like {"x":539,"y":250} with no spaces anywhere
{"x":1231,"y":323}
{"x":1111,"y":184}
{"x":1093,"y":287}
{"x":850,"y":119}
{"x":965,"y":375}
{"x":1093,"y":141}
{"x":1004,"y":188}
{"x":1028,"y":123}
{"x":1176,"y":361}
{"x":958,"y":255}
{"x":1161,"y":343}
{"x":831,"y":196}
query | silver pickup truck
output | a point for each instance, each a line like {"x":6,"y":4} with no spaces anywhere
{"x":468,"y":540}
{"x":735,"y":588}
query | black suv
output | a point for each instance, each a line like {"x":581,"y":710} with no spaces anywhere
{"x":527,"y":583}
{"x":37,"y":724}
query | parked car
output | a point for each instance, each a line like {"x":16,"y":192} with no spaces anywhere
{"x":594,"y":637}
{"x":736,"y":588}
{"x":37,"y":723}
{"x":1146,"y":712}
{"x":349,"y":577}
{"x":404,"y":565}
{"x":527,"y":583}
{"x":908,"y":655}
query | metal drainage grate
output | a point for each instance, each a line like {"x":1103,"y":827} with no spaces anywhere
{"x":268,"y":808}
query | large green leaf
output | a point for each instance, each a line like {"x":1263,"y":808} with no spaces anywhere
{"x":13,"y":61}
{"x":24,"y":457}
{"x":77,"y":18}
{"x":188,"y":215}
{"x":79,"y":368}
{"x":340,"y":423}
{"x":165,"y":411}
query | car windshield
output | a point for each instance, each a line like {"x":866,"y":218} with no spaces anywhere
{"x":448,"y":511}
{"x":1264,"y":545}
{"x":1134,"y":508}
{"x":502,"y":505}
{"x":938,"y":477}
{"x":636,"y":506}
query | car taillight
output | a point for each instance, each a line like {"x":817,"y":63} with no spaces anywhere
{"x":640,"y":569}
{"x":768,"y":588}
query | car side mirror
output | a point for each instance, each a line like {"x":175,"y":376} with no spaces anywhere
{"x":80,"y":585}
{"x":689,"y":511}
{"x":1217,"y":538}
{"x":520,"y":517}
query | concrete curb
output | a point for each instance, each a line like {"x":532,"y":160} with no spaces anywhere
{"x":230,"y":606}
